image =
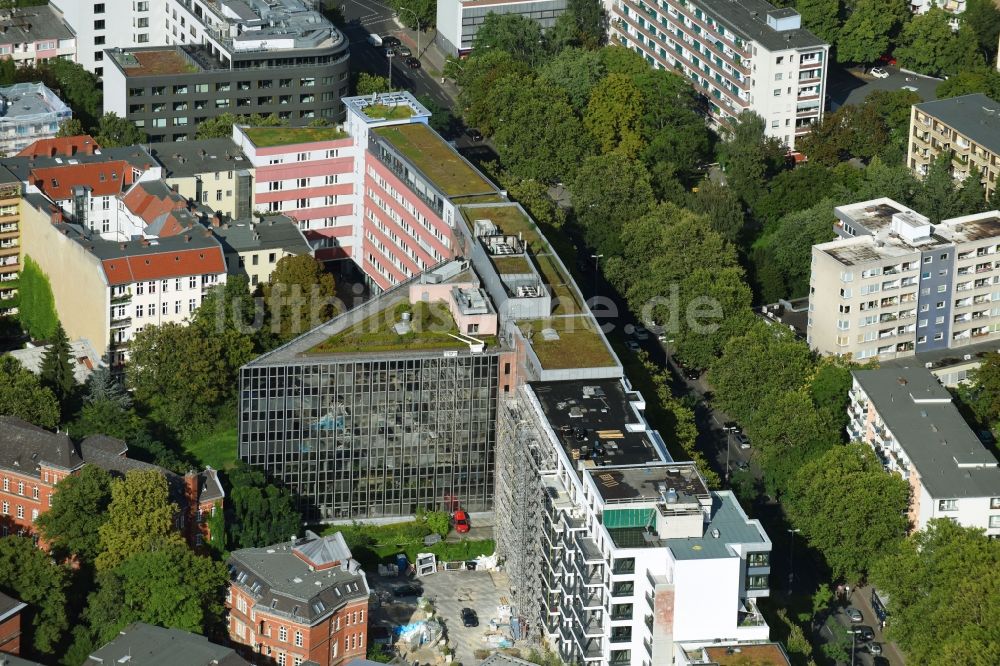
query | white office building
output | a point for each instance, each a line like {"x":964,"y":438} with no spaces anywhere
{"x":458,"y":21}
{"x":740,"y":54}
{"x":910,"y":421}
{"x":617,"y":554}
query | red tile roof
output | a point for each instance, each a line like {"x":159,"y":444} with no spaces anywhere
{"x":148,"y":205}
{"x":65,"y":146}
{"x":105,"y":179}
{"x":163,"y":265}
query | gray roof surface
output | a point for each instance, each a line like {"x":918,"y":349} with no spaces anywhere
{"x":949,"y":458}
{"x":106,"y":249}
{"x":31,"y":24}
{"x":136,"y":156}
{"x":23,"y":447}
{"x":975,"y":116}
{"x":9,"y":605}
{"x":500,"y":659}
{"x":149,"y":645}
{"x":275,"y":231}
{"x":81,"y":351}
{"x":282,"y":582}
{"x":738,"y":15}
{"x":24,"y":100}
{"x":11,"y":660}
{"x":733,"y":526}
{"x":187,"y":158}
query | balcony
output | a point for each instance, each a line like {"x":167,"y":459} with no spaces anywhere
{"x":592,"y":600}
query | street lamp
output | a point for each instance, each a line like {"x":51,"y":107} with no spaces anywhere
{"x":389,"y":53}
{"x":597,"y":260}
{"x":791,"y":557}
{"x":417,"y":18}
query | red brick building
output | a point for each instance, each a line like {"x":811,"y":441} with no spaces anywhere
{"x":34,"y":460}
{"x":10,"y":624}
{"x":304,"y":600}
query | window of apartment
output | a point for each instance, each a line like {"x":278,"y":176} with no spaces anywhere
{"x":99,"y":25}
{"x":939,"y":305}
{"x":922,"y":323}
{"x":994,"y":521}
{"x":166,"y":308}
{"x":623,"y":588}
{"x":6,"y":484}
{"x":298,"y":639}
{"x":193,"y":282}
{"x":283,"y":634}
{"x":6,"y":508}
{"x":142,"y":6}
{"x":99,"y":8}
{"x":939,"y":336}
{"x":928,"y":259}
{"x":948,"y":505}
{"x":777,"y":92}
{"x":302,"y":157}
{"x":177,"y":307}
{"x":922,"y":340}
{"x":274,"y":185}
{"x":20,"y":511}
{"x":938,"y":321}
{"x":142,"y":22}
{"x":192,"y":304}
{"x":942,"y":288}
{"x":285,"y":83}
{"x":302,"y":182}
{"x":99,"y":56}
{"x":757,"y":582}
{"x":302,"y":203}
{"x":20,"y":488}
{"x":218,"y":195}
{"x":34,"y":492}
{"x":925,"y":307}
{"x":758,"y":559}
{"x":139,"y":311}
{"x":224,"y":86}
{"x":253,"y":259}
{"x":243,"y":85}
{"x":994,"y":502}
{"x":272,"y":257}
{"x":944,"y":257}
{"x":222,"y":103}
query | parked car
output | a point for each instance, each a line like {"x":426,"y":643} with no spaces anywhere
{"x":470,"y":618}
{"x":640,"y":333}
{"x":412,"y":63}
{"x":692,"y":374}
{"x":389,"y":40}
{"x":910,"y":88}
{"x":730,"y":426}
{"x":863,"y":632}
{"x":404,"y":51}
{"x":742,"y":440}
{"x":374,"y":40}
{"x":408,"y":590}
{"x":854,"y":614}
{"x":461,"y":521}
{"x":875,"y":648}
{"x":879,"y":73}
{"x":474,"y":134}
{"x":632,"y":346}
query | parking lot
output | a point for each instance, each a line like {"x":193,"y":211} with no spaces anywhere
{"x":862,"y":656}
{"x":449,"y":592}
{"x":852,"y":86}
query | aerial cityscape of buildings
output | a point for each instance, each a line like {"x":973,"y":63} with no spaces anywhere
{"x":471,"y":424}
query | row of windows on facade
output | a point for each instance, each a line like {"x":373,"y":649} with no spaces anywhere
{"x":20,"y":511}
{"x":20,"y":487}
{"x":225,"y":103}
{"x":227,"y":86}
{"x":293,"y":183}
{"x":141,"y":311}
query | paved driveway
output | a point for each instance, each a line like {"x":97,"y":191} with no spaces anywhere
{"x":852,"y":86}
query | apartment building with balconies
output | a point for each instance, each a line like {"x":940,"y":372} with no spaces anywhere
{"x":620,"y":555}
{"x":894,"y":284}
{"x":31,"y":35}
{"x":911,"y":422}
{"x":10,"y":240}
{"x":967,"y":127}
{"x":739,"y":54}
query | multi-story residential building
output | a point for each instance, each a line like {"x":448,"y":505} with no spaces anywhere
{"x":254,"y":247}
{"x":369,"y":431}
{"x":739,"y":54}
{"x":230,"y":56}
{"x":301,"y":601}
{"x":31,"y":35}
{"x":915,"y":429}
{"x":107,"y":291}
{"x":10,"y":625}
{"x":33,"y":461}
{"x":619,"y":555}
{"x":149,"y":645}
{"x":966,"y":127}
{"x":28,"y":112}
{"x":458,"y":21}
{"x":212,"y":172}
{"x":10,"y":240}
{"x":894,"y":284}
{"x":950,"y":6}
{"x":111,"y":23}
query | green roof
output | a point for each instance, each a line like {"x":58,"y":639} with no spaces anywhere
{"x":431,"y":324}
{"x":266,"y":137}
{"x":580,"y":345}
{"x":435,"y":159}
{"x":511,"y":265}
{"x":386,"y":112}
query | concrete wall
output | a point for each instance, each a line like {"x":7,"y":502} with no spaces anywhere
{"x":78,"y":282}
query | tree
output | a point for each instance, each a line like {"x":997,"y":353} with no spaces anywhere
{"x":70,"y":127}
{"x":301,"y":295}
{"x":983,"y":18}
{"x":414,"y":13}
{"x":261,"y":513}
{"x":786,"y":251}
{"x":56,"y":371}
{"x":944,"y":595}
{"x":112,"y":131}
{"x":140,"y":518}
{"x":929,"y":45}
{"x":983,"y":394}
{"x":23,"y":396}
{"x":972,"y":194}
{"x":723,"y":295}
{"x":78,"y":87}
{"x":937,"y":198}
{"x":441,"y":120}
{"x":534,"y":197}
{"x":582,"y":24}
{"x":221,"y":126}
{"x":30,"y":575}
{"x":102,"y":386}
{"x":79,"y":508}
{"x":869,"y":28}
{"x":764,"y":362}
{"x":477,"y":79}
{"x":518,"y":35}
{"x":576,"y":71}
{"x":369,"y":84}
{"x":609,"y":190}
{"x":723,"y":209}
{"x":822,"y":17}
{"x":748,"y":156}
{"x":849,"y":508}
{"x":672,"y":126}
{"x":984,"y":80}
{"x":36,"y":304}
{"x":613,"y":115}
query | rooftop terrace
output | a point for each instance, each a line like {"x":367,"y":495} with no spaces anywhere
{"x":431,"y":327}
{"x":153,"y":62}
{"x":567,"y":342}
{"x":435,"y":159}
{"x":267,"y":137}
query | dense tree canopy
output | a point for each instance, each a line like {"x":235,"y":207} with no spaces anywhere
{"x":112,"y":131}
{"x":79,"y":508}
{"x":28,"y":574}
{"x":261,"y":514}
{"x":23,"y":396}
{"x":221,"y":126}
{"x":930,"y":46}
{"x":140,"y":518}
{"x":300,"y":295}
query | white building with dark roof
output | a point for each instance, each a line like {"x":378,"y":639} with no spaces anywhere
{"x":915,"y":429}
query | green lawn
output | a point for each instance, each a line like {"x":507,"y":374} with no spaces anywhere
{"x":431,"y":324}
{"x":217,"y":449}
{"x":371,"y":544}
{"x":435,"y":158}
{"x":385,"y":112}
{"x":579,"y":344}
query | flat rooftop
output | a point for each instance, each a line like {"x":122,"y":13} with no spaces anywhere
{"x":763,"y":654}
{"x":187,"y":158}
{"x":567,"y":342}
{"x":435,"y":159}
{"x":948,"y":456}
{"x":266,"y":137}
{"x":24,"y":100}
{"x":974,"y":116}
{"x":595,"y":422}
{"x":431,"y":327}
{"x":153,"y":62}
{"x":641,"y":483}
{"x":386,"y":106}
{"x":748,"y":19}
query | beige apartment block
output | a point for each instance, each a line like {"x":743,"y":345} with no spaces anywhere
{"x":967,"y":126}
{"x":894,"y":284}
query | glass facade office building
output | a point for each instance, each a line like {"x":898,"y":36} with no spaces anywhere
{"x":375,"y":436}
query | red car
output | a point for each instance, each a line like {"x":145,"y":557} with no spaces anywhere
{"x":461,"y":521}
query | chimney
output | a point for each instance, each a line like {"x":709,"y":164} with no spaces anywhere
{"x":72,"y":150}
{"x":217,"y":220}
{"x":57,"y":217}
{"x":187,"y":238}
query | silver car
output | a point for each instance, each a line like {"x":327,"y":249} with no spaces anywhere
{"x":854,"y":614}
